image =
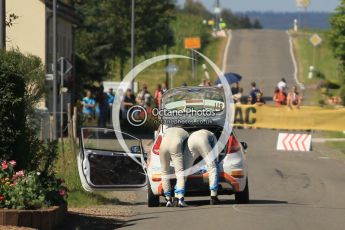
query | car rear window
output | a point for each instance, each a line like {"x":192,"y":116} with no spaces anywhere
{"x":196,"y":98}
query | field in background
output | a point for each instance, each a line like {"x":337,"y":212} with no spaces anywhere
{"x":325,"y":65}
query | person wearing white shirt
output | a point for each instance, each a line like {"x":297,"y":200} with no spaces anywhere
{"x":282,"y":84}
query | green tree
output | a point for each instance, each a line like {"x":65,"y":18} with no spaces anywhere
{"x":239,"y":21}
{"x":337,"y":39}
{"x":257,"y":24}
{"x":337,"y":33}
{"x":21,"y":88}
{"x":196,"y":8}
{"x":106,"y":32}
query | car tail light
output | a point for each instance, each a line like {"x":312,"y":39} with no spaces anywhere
{"x":155,"y":148}
{"x":156,"y":177}
{"x":237,"y":173}
{"x":233,"y":145}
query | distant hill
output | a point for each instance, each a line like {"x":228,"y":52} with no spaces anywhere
{"x":283,"y":21}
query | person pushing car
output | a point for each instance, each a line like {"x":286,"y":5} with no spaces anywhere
{"x":183,"y":149}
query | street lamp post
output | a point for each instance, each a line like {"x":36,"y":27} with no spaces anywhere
{"x":217,"y":14}
{"x":132,"y":42}
{"x":54,"y":71}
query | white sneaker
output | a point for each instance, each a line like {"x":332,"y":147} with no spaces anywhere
{"x":181,"y":203}
{"x":169,"y":202}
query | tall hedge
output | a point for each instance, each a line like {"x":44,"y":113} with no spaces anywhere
{"x":21,"y":88}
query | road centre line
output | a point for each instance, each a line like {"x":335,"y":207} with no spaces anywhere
{"x":226,"y":51}
{"x":294,"y":62}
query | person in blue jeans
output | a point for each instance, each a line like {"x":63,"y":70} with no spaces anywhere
{"x":88,"y":105}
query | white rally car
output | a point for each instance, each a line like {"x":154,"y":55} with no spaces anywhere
{"x":104,"y":164}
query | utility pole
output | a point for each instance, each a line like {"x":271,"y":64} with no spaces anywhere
{"x":54,"y":71}
{"x":62,"y":71}
{"x":217,"y":13}
{"x":3,"y":24}
{"x":132,"y":41}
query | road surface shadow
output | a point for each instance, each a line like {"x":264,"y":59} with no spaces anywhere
{"x":205,"y":204}
{"x":131,"y":203}
{"x":79,"y":221}
{"x":195,"y":203}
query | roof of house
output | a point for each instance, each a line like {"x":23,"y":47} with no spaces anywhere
{"x":65,"y":11}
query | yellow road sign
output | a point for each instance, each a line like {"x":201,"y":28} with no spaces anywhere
{"x":315,"y":40}
{"x":303,"y":3}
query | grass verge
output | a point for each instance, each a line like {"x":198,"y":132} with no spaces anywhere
{"x":66,"y":168}
{"x":326,"y":66}
{"x":337,"y":145}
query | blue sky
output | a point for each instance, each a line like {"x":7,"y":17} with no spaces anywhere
{"x":270,"y":5}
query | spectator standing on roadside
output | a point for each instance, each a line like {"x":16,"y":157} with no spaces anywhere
{"x":253,"y":92}
{"x":110,"y":99}
{"x":147,"y":100}
{"x":103,"y":107}
{"x":127,"y":103}
{"x":282,"y":85}
{"x":279,"y":97}
{"x":294,"y":98}
{"x":88,"y":105}
{"x":143,"y":96}
{"x":158,"y":95}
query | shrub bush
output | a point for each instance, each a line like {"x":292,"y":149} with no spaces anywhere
{"x":21,"y":88}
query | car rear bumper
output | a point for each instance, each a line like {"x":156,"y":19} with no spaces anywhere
{"x":198,"y":185}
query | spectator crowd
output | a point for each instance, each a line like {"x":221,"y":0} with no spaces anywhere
{"x":100,"y":106}
{"x":282,"y":96}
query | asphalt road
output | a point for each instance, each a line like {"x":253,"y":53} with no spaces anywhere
{"x":262,"y":56}
{"x":288,"y":190}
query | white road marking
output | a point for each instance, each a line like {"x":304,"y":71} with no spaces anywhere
{"x":235,"y":208}
{"x":225,"y":56}
{"x":294,"y":62}
{"x":324,"y":158}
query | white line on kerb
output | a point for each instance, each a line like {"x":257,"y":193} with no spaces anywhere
{"x":225,"y":56}
{"x":294,"y":62}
